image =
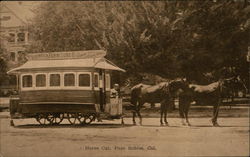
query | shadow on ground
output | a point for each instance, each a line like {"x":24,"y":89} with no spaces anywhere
{"x":108,"y":126}
{"x":103,"y":126}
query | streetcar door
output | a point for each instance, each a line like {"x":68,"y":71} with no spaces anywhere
{"x":102,"y":89}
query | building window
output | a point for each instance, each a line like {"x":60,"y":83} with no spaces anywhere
{"x":20,"y":37}
{"x":40,"y":80}
{"x":27,"y":81}
{"x":54,"y":80}
{"x":96,"y":80}
{"x":5,"y":18}
{"x":84,"y":80}
{"x":11,"y":38}
{"x":69,"y":80}
{"x":12,"y":56}
{"x":107,"y":79}
{"x":21,"y":55}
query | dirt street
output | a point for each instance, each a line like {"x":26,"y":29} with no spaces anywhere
{"x":109,"y":138}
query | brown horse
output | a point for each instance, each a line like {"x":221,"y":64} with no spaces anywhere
{"x":162,"y":93}
{"x":210,"y":94}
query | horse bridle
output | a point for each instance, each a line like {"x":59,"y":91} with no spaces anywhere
{"x":222,"y":81}
{"x":175,"y":80}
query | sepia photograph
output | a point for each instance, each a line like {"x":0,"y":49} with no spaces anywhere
{"x":124,"y":78}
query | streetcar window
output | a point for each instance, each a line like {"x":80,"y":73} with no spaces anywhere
{"x":107,"y":79}
{"x":69,"y":80}
{"x":96,"y":81}
{"x":27,"y":81}
{"x":84,"y":80}
{"x":40,"y":80}
{"x":54,"y":79}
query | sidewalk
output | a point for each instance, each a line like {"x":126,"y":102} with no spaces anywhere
{"x":4,"y":102}
{"x":4,"y":115}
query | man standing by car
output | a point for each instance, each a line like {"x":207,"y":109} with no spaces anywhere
{"x":115,"y":92}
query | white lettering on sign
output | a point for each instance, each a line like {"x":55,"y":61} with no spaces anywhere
{"x":67,"y":55}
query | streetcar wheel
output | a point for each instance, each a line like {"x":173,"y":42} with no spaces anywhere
{"x":81,"y":118}
{"x":42,"y":119}
{"x":58,"y":118}
{"x":72,"y":118}
{"x":50,"y":118}
{"x":89,"y":118}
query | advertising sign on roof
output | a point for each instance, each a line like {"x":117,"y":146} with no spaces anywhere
{"x":67,"y":55}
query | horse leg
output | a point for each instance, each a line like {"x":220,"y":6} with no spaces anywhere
{"x":12,"y":122}
{"x":163,"y":106}
{"x":152,"y":105}
{"x":134,"y":114}
{"x":161,"y":117}
{"x":186,"y":113}
{"x":165,"y":116}
{"x":215,"y":114}
{"x":139,"y":115}
{"x":138,"y":110}
{"x":181,"y":112}
{"x":122,"y":120}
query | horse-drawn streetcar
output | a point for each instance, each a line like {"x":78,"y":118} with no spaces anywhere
{"x":64,"y":85}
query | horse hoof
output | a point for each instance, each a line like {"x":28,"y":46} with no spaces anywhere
{"x":12,"y":123}
{"x":216,"y":125}
{"x":166,"y":124}
{"x":188,"y":124}
{"x":161,"y":124}
{"x":134,"y":123}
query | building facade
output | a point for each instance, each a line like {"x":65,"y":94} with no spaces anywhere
{"x":14,"y":31}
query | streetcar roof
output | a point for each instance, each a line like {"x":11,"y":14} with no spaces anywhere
{"x":43,"y":63}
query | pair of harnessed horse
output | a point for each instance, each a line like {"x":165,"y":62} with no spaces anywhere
{"x":164,"y":92}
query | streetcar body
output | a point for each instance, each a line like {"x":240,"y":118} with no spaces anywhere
{"x":63,"y":84}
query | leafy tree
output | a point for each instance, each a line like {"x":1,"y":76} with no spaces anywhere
{"x":3,"y":66}
{"x":166,"y":38}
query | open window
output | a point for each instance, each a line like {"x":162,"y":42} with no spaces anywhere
{"x":69,"y":79}
{"x":41,"y":80}
{"x":55,"y":80}
{"x":27,"y":81}
{"x":84,"y":80}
